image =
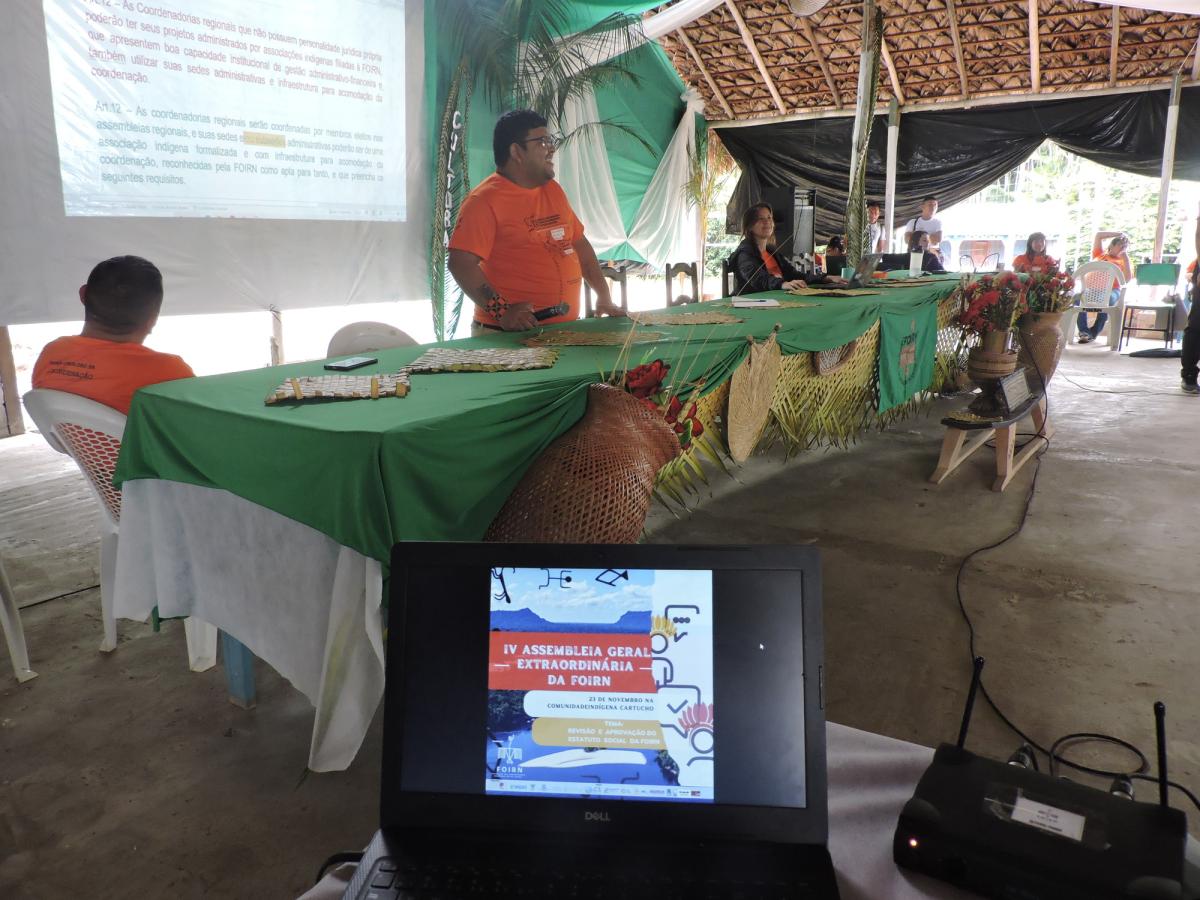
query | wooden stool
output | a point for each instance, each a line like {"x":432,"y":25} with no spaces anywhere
{"x":956,"y":447}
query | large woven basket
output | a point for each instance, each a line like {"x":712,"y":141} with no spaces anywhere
{"x":594,"y":484}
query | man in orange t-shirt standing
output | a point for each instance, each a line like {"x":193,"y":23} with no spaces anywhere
{"x":107,"y":361}
{"x":518,"y":247}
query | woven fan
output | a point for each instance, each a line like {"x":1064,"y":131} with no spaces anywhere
{"x":491,"y":359}
{"x":668,"y":318}
{"x":341,"y":387}
{"x":558,"y":338}
{"x":826,"y":362}
{"x":750,"y":393}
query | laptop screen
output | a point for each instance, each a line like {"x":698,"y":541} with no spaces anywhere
{"x":635,"y":677}
{"x":600,"y":684}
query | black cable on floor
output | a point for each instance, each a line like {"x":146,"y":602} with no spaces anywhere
{"x":1135,"y":391}
{"x":1051,"y":754}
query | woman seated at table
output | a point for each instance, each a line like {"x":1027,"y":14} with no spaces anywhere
{"x":1116,"y":253}
{"x":920,"y":244}
{"x":1035,"y":260}
{"x":759,"y":266}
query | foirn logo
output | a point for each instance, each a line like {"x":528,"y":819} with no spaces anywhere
{"x":595,"y":817}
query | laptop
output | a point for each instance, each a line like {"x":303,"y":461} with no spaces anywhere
{"x":617,"y":721}
{"x":866,"y":266}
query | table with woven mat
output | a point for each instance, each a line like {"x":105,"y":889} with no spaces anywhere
{"x":275,"y":522}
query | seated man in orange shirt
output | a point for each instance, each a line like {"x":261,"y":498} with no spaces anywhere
{"x":518,"y":247}
{"x":106,"y":362}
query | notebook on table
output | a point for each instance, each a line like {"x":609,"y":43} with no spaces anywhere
{"x":602,"y":721}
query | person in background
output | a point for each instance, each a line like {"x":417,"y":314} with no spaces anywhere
{"x":1116,"y":253}
{"x":929,"y":260}
{"x":759,"y":266}
{"x":1035,"y":260}
{"x":875,"y":238}
{"x":835,"y":255}
{"x":927,"y":223}
{"x":1190,"y":355}
{"x":518,"y":247}
{"x":108,"y":361}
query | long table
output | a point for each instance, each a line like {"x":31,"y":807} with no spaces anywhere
{"x":275,"y":523}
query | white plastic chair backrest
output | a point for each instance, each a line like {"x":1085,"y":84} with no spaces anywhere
{"x":87,"y":431}
{"x":358,"y":337}
{"x":1094,"y":284}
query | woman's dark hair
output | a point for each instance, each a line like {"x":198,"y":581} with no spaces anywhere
{"x":835,"y":243}
{"x":750,"y":216}
{"x":914,"y":243}
{"x":1033,"y":237}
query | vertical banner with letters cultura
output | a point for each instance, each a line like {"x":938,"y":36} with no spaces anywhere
{"x":600,"y":684}
{"x":450,"y":189}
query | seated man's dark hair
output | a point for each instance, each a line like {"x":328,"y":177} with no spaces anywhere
{"x":511,"y":128}
{"x":927,"y":199}
{"x":123,"y":293}
{"x":874,"y":203}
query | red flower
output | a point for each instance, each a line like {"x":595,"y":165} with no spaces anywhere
{"x":644,"y":380}
{"x":673,"y":408}
{"x":697,"y":428}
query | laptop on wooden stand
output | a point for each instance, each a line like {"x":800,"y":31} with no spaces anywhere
{"x":602,"y":721}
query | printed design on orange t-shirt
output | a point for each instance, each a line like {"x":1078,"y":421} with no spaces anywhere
{"x":70,"y":368}
{"x":107,"y":372}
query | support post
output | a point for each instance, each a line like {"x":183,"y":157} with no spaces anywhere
{"x":276,"y":336}
{"x":889,"y":200}
{"x":11,"y":423}
{"x":1168,"y":167}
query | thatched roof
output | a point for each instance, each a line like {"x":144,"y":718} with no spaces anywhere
{"x":755,"y":59}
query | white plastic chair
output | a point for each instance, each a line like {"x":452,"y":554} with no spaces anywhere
{"x":90,"y":433}
{"x":14,"y":635}
{"x":1093,"y":288}
{"x":359,"y":337}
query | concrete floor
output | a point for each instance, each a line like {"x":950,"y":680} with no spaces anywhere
{"x":126,"y":775}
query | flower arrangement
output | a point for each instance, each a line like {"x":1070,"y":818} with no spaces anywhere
{"x":992,"y":303}
{"x":645,"y":382}
{"x":1050,"y":292}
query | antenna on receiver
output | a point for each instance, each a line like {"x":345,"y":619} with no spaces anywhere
{"x":971,"y":692}
{"x":1160,"y":736}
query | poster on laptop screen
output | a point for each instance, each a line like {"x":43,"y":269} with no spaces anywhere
{"x":600,"y":684}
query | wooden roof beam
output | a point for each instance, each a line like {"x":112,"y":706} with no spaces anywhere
{"x":1035,"y":48}
{"x":897,"y":91}
{"x":712,"y":85}
{"x":810,"y":36}
{"x":748,"y":38}
{"x":1116,"y":42}
{"x":958,"y":51}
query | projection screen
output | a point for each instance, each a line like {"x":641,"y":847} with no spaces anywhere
{"x":260,"y":152}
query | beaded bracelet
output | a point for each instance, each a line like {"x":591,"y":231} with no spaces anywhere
{"x":496,"y":307}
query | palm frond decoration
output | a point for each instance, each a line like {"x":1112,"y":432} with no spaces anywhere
{"x":868,"y":87}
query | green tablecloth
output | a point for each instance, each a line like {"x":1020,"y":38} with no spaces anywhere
{"x":439,"y":463}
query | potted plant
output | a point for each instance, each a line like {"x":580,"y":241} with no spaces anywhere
{"x":991,"y":306}
{"x":1049,"y":296}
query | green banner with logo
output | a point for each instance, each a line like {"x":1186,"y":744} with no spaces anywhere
{"x":907,"y":349}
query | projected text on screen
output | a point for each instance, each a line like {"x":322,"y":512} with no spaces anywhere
{"x":278,"y":110}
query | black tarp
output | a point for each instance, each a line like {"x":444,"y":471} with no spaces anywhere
{"x":954,"y":153}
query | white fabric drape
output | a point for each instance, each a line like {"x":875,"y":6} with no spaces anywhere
{"x":665,"y":228}
{"x":307,"y":606}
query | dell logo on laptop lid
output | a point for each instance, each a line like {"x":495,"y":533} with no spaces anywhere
{"x":595,"y":817}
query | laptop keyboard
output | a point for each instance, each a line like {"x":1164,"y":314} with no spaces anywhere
{"x":403,"y":880}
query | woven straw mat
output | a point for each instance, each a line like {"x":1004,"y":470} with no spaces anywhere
{"x":492,"y":359}
{"x":668,"y":318}
{"x":341,"y":387}
{"x":750,"y":393}
{"x":591,"y":338}
{"x":834,"y":292}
